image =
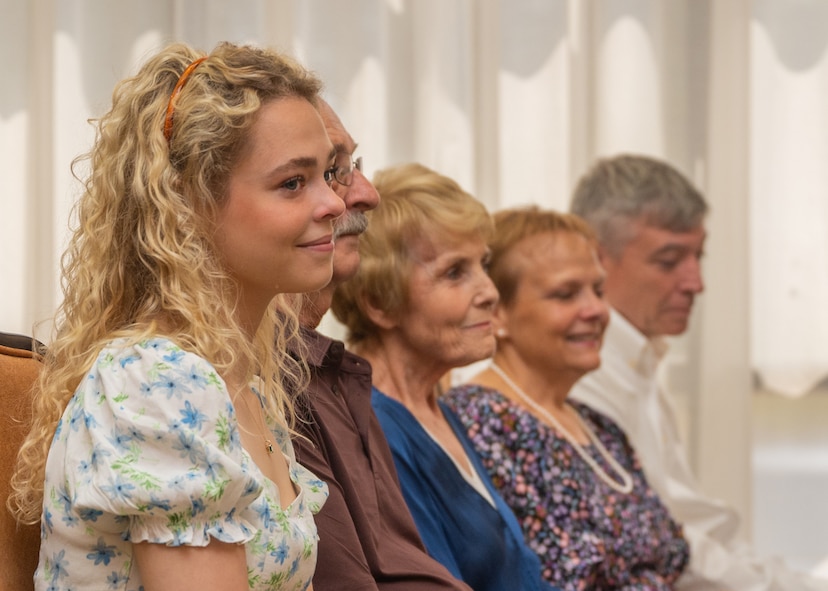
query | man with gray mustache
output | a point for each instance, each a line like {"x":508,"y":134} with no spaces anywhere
{"x":352,"y":223}
{"x":367,"y":537}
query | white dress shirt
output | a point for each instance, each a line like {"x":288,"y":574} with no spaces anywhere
{"x":627,"y":390}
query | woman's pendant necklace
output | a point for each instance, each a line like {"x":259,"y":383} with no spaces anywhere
{"x":626,"y":484}
{"x":268,"y":443}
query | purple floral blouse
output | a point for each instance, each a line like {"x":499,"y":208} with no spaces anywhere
{"x":587,"y":535}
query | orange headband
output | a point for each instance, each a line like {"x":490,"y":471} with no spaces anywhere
{"x":168,"y":120}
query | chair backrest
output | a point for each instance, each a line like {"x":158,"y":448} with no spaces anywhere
{"x":19,"y":544}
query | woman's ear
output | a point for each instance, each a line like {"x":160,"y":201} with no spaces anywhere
{"x":381,"y":318}
{"x":499,"y":323}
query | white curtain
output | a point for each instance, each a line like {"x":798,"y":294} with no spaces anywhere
{"x":789,"y":197}
{"x":514,"y":99}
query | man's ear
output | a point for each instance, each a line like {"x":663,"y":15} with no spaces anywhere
{"x":608,"y":260}
{"x":603,"y":255}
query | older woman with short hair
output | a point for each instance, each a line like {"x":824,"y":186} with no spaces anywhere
{"x":568,"y":472}
{"x":420,"y":305}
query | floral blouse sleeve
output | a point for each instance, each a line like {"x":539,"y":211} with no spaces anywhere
{"x":153,"y":440}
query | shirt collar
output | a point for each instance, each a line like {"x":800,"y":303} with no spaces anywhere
{"x":642,"y":354}
{"x":321,"y":350}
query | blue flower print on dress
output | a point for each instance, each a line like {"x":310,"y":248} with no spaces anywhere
{"x":102,"y":554}
{"x":192,"y":416}
{"x":148,"y":450}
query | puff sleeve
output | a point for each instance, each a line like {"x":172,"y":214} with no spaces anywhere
{"x":152,"y":446}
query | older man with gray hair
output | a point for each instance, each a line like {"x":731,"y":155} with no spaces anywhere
{"x":650,"y":223}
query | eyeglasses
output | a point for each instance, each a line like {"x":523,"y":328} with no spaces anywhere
{"x":344,"y":174}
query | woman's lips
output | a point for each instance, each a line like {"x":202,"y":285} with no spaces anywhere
{"x":324,"y":243}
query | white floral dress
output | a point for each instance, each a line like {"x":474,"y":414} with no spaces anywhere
{"x":148,"y":450}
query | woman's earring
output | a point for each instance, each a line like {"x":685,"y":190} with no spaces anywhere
{"x":500,"y":333}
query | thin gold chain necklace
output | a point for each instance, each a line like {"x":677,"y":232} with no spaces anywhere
{"x":268,"y":443}
{"x":626,"y":484}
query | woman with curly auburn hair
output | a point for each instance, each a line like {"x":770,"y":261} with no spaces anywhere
{"x":160,"y":455}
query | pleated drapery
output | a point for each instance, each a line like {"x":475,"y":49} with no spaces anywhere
{"x":514,"y":99}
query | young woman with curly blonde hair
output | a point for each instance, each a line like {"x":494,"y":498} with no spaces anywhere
{"x":151,"y":461}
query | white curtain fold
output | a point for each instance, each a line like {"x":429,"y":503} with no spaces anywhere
{"x":789,"y":198}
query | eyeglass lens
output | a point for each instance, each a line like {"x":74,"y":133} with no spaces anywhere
{"x":344,"y":174}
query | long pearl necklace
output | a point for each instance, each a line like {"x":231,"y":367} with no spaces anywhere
{"x":626,"y":484}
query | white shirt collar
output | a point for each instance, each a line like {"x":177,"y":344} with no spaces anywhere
{"x":641,"y":354}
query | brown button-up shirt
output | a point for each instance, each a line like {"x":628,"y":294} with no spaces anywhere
{"x":367,"y":538}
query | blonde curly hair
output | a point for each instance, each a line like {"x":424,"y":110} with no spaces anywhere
{"x":141,"y":260}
